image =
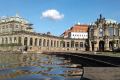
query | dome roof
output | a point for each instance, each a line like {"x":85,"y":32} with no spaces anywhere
{"x":108,"y":21}
{"x":14,"y":18}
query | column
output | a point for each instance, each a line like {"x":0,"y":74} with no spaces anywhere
{"x":8,"y":40}
{"x":33,"y":41}
{"x":37,"y":41}
{"x":56,"y":44}
{"x":12,"y":39}
{"x":90,"y":46}
{"x":0,"y":40}
{"x":59,"y":44}
{"x":28,"y":41}
{"x":41,"y":42}
{"x":53,"y":43}
{"x":49,"y":43}
{"x":22,"y":40}
{"x":17,"y":40}
{"x":45,"y":42}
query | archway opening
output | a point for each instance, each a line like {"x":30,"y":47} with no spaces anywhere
{"x":25,"y":41}
{"x":111,"y":45}
{"x":92,"y":43}
{"x":101,"y":46}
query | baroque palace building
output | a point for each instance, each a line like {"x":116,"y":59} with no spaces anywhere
{"x":104,"y":35}
{"x":16,"y":34}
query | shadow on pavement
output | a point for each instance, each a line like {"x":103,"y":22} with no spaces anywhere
{"x":83,"y":78}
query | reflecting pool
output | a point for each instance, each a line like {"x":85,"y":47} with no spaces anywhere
{"x":37,"y":67}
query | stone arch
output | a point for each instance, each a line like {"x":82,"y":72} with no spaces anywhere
{"x":19,"y":40}
{"x":68,"y":44}
{"x":15,"y":39}
{"x":47,"y":42}
{"x":101,"y":45}
{"x":76,"y":44}
{"x":2,"y":40}
{"x":72,"y":43}
{"x":111,"y":45}
{"x":31,"y":41}
{"x":54,"y":43}
{"x":35,"y":41}
{"x":25,"y":41}
{"x":57,"y":43}
{"x":10,"y":39}
{"x":92,"y":44}
{"x":51,"y":43}
{"x":44,"y":42}
{"x":6,"y":40}
{"x":64,"y":44}
{"x":40,"y":42}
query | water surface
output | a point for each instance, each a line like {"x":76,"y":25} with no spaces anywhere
{"x":37,"y":67}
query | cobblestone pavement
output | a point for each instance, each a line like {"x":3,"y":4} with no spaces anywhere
{"x":101,"y":73}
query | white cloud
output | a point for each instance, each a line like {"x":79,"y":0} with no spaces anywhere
{"x":52,"y":14}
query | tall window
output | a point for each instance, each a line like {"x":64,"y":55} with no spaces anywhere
{"x":47,"y":42}
{"x":2,"y":40}
{"x":76,"y":44}
{"x":57,"y":43}
{"x":72,"y":43}
{"x":31,"y":41}
{"x":111,"y":31}
{"x":36,"y":42}
{"x":40,"y":41}
{"x":54,"y":43}
{"x":68,"y":44}
{"x":51,"y":43}
{"x":25,"y":41}
{"x":44,"y":41}
{"x":19,"y":40}
{"x":81,"y":44}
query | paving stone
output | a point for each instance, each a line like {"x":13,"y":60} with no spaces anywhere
{"x":101,"y":73}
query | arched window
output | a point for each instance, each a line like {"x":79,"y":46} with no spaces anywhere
{"x":19,"y":40}
{"x":47,"y":42}
{"x":76,"y":44}
{"x":44,"y":41}
{"x":36,"y":42}
{"x":54,"y":43}
{"x":63,"y":44}
{"x":6,"y":40}
{"x":25,"y":41}
{"x":2,"y":40}
{"x":10,"y":40}
{"x":15,"y":39}
{"x":40,"y":42}
{"x":31,"y":41}
{"x":81,"y":44}
{"x":51,"y":43}
{"x":72,"y":43}
{"x":57,"y":43}
{"x":68,"y":44}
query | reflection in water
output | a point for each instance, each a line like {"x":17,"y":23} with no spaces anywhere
{"x":37,"y":67}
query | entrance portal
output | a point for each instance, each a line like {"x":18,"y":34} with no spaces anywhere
{"x":111,"y":45}
{"x":101,"y":46}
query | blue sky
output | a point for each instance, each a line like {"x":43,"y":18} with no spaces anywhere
{"x":73,"y":11}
